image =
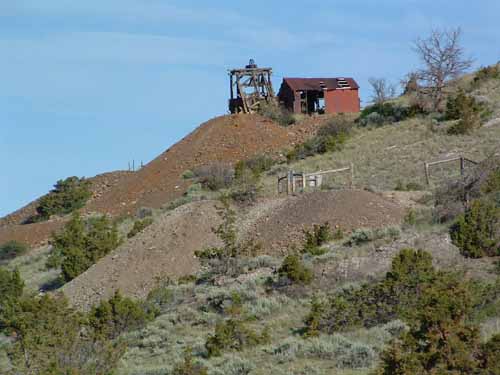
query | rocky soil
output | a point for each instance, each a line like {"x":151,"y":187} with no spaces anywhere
{"x":166,"y":248}
{"x":225,"y":139}
{"x":283,"y":226}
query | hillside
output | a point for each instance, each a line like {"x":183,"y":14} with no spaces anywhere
{"x":225,"y":139}
{"x":242,"y":279}
{"x":166,"y":249}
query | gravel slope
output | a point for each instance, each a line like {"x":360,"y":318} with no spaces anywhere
{"x":166,"y":248}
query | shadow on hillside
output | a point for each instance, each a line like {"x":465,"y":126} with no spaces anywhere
{"x":52,"y":285}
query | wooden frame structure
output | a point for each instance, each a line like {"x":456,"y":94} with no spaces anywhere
{"x":458,"y":158}
{"x":300,"y":180}
{"x":249,"y":87}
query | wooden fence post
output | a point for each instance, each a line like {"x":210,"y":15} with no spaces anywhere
{"x":303,"y":181}
{"x":289,"y":186}
{"x":462,"y":166}
{"x":427,"y":179}
{"x":352,"y":176}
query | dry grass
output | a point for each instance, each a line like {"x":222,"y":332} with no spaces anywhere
{"x":33,"y":270}
{"x":384,"y":156}
{"x":157,"y":348}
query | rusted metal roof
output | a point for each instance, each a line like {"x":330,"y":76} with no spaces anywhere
{"x":304,"y":84}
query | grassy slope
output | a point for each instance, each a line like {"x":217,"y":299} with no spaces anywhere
{"x":382,"y":157}
{"x":186,"y":322}
{"x":157,"y":348}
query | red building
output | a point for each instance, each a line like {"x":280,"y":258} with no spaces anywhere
{"x":320,"y":95}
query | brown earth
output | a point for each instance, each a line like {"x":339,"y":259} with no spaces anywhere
{"x":223,"y":139}
{"x":166,"y":248}
{"x":344,"y":209}
{"x":98,"y":186}
{"x":37,"y":234}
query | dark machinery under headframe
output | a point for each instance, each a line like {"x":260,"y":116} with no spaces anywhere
{"x":249,"y":88}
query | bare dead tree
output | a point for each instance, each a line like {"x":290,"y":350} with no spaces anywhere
{"x":382,"y":90}
{"x":443,"y":59}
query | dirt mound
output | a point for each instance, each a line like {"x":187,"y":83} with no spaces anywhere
{"x":164,"y":249}
{"x":223,"y":139}
{"x":346,"y":209}
{"x":12,"y":227}
{"x":31,"y":234}
{"x":98,"y":186}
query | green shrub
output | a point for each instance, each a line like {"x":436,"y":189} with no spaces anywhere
{"x":363,"y":235}
{"x":246,"y":187}
{"x":11,"y":284}
{"x":232,"y":364}
{"x":410,"y":186}
{"x":387,"y":113}
{"x":314,"y":317}
{"x":440,"y":340}
{"x":496,"y":269}
{"x":230,"y":303}
{"x":11,"y":290}
{"x":257,"y":165}
{"x":294,"y":270}
{"x":330,"y":138}
{"x":277,"y":113}
{"x":410,"y":218}
{"x":215,"y":176}
{"x":178,"y":202}
{"x":485,"y":299}
{"x":81,"y":244}
{"x":316,"y":238}
{"x":466,"y":110}
{"x":187,"y":367}
{"x":490,"y":355}
{"x":231,"y":335}
{"x":337,"y":349}
{"x":11,"y":249}
{"x":477,"y":232}
{"x":492,"y":183}
{"x":49,"y":337}
{"x":360,"y":236}
{"x":226,"y":259}
{"x":338,"y":234}
{"x":485,"y":74}
{"x":457,"y":104}
{"x":117,"y":315}
{"x":188,"y":174}
{"x":67,"y":196}
{"x":160,"y":297}
{"x":374,"y":303}
{"x":139,"y":226}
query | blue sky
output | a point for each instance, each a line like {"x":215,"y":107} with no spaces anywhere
{"x":86,"y":86}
